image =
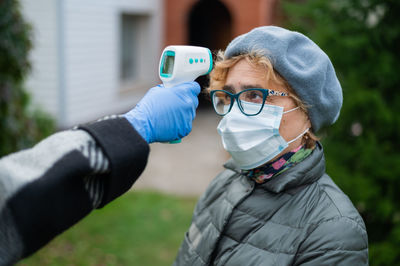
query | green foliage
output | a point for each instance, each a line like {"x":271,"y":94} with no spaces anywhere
{"x":20,"y":127}
{"x":140,"y":228}
{"x":362,"y":38}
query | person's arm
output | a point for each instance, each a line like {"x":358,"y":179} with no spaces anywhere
{"x":48,"y":188}
{"x":339,"y":241}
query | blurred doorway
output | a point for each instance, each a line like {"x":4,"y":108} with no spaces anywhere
{"x":210,"y":25}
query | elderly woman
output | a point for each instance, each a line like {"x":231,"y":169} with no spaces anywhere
{"x":274,"y":204}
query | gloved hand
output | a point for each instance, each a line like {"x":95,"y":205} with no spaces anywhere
{"x":165,"y":114}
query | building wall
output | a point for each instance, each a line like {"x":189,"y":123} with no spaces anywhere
{"x":246,"y":15}
{"x":251,"y":14}
{"x":42,"y":83}
{"x":92,"y":37}
{"x":84,"y":61}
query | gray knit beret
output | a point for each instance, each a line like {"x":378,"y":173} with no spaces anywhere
{"x":302,"y":63}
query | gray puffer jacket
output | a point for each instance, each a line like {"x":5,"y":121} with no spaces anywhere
{"x":297,"y":218}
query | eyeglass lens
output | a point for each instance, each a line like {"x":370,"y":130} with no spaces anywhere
{"x":221,"y":101}
{"x":251,"y":101}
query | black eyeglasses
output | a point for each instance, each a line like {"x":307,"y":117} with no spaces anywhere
{"x":223,"y":100}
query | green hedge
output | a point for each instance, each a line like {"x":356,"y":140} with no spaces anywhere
{"x":362,"y":38}
{"x":20,"y":126}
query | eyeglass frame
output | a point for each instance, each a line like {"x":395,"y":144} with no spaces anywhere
{"x":266,"y":93}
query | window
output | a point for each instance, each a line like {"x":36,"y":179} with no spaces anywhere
{"x":129,"y":37}
{"x":132,"y":40}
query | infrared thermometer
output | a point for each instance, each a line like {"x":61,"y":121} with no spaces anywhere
{"x":183,"y":63}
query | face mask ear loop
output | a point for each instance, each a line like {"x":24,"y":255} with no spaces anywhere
{"x":296,"y":138}
{"x":288,"y":111}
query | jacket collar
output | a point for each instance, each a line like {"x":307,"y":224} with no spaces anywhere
{"x":306,"y":172}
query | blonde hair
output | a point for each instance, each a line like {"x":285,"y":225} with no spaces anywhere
{"x":221,"y":68}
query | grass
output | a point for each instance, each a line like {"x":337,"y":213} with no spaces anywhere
{"x":140,"y":228}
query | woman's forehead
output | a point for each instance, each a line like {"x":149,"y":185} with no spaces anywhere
{"x":245,"y":75}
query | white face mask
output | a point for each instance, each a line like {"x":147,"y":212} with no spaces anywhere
{"x":253,"y":140}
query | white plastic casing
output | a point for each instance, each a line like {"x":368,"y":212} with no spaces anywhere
{"x":183,"y":63}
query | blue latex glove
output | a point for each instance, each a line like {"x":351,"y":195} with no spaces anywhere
{"x":165,"y":114}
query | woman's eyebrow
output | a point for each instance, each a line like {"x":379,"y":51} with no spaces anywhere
{"x":229,"y":88}
{"x":252,"y":86}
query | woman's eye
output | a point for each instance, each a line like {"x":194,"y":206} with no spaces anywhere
{"x":254,"y":96}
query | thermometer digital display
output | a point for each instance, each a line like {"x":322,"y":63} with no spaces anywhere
{"x":168,"y":65}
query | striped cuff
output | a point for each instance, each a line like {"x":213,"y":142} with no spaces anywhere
{"x":94,"y":183}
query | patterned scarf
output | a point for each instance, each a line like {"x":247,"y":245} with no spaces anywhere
{"x":278,"y":166}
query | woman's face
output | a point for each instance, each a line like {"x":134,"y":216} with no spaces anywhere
{"x":244,"y":75}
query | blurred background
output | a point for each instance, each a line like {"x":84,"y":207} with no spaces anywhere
{"x":65,"y":62}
